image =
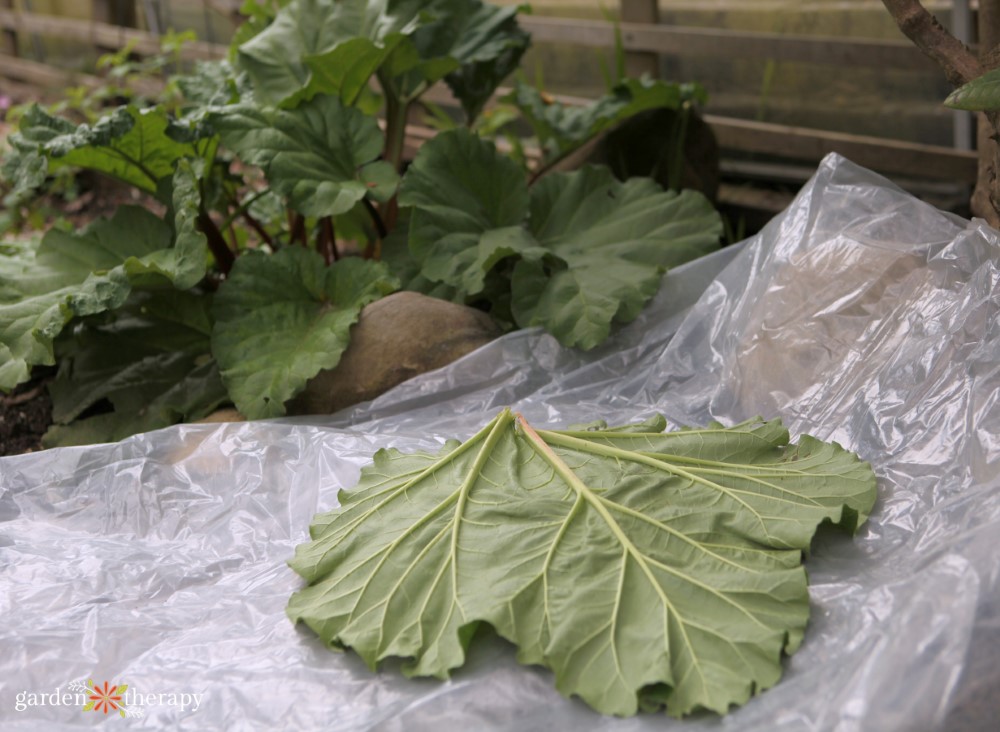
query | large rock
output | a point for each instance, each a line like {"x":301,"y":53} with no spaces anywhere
{"x":396,"y":338}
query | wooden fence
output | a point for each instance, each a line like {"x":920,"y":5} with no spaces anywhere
{"x":644,"y":40}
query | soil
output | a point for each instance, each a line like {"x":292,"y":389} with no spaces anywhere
{"x":25,"y":415}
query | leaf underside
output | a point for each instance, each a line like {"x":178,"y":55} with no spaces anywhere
{"x":646,"y":569}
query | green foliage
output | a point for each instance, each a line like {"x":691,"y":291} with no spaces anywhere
{"x":560,"y":128}
{"x":469,"y":203}
{"x":588,"y":249}
{"x":324,"y":46}
{"x":73,"y":275}
{"x":129,"y":144}
{"x":151,"y":365}
{"x":269,"y":172}
{"x":335,"y":47}
{"x":281,"y":319}
{"x":646,"y":569}
{"x":979,"y":95}
{"x":321,"y":155}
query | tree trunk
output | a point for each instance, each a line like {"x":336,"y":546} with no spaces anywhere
{"x":986,"y":197}
{"x":961,"y":66}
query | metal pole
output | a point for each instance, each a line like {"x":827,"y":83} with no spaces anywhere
{"x":961,"y":27}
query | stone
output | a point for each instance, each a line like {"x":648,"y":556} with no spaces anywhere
{"x":221,"y":416}
{"x":395,"y":339}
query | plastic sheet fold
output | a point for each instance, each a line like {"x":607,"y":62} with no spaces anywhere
{"x":859,"y":315}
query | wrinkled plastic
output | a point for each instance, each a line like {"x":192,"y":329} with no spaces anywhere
{"x":859,"y":315}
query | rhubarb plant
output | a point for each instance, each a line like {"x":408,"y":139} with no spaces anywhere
{"x":646,"y":569}
{"x":278,"y":199}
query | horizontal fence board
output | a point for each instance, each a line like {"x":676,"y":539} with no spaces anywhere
{"x":32,"y":72}
{"x":758,"y":199}
{"x":883,"y":155}
{"x":665,"y":39}
{"x":50,"y":77}
{"x":718,"y":43}
{"x":878,"y":153}
{"x":102,"y":34}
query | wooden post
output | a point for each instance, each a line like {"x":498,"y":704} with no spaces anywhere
{"x":114,"y":12}
{"x":638,"y":63}
{"x":8,"y":38}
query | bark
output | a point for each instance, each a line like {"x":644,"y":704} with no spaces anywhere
{"x":986,"y":197}
{"x":961,"y":66}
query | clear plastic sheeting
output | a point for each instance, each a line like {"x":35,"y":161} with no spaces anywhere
{"x":859,"y":315}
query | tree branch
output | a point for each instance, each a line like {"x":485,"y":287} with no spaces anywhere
{"x":957,"y":61}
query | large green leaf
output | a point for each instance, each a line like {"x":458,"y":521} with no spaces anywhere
{"x":257,"y":17}
{"x":613,"y":240}
{"x":588,"y":250}
{"x":488,"y":44}
{"x":213,"y":84}
{"x":471,"y":44}
{"x":76,"y":274}
{"x":322,"y":155}
{"x":979,"y":95}
{"x":26,"y":170}
{"x":325,"y":46}
{"x":561,"y":128}
{"x":152,"y":364}
{"x":129,"y":144}
{"x":281,"y":319}
{"x":469,"y":203}
{"x":335,"y":46}
{"x":643,"y":568}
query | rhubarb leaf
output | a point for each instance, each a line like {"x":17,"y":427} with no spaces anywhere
{"x":587,"y":250}
{"x":643,"y":568}
{"x":614,"y":241}
{"x":335,"y":47}
{"x":469,"y":203}
{"x":151,"y":364}
{"x":325,"y":46}
{"x":561,"y":128}
{"x":282,"y":318}
{"x":70,"y":274}
{"x":488,"y":44}
{"x":129,"y":144}
{"x":322,"y":155}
